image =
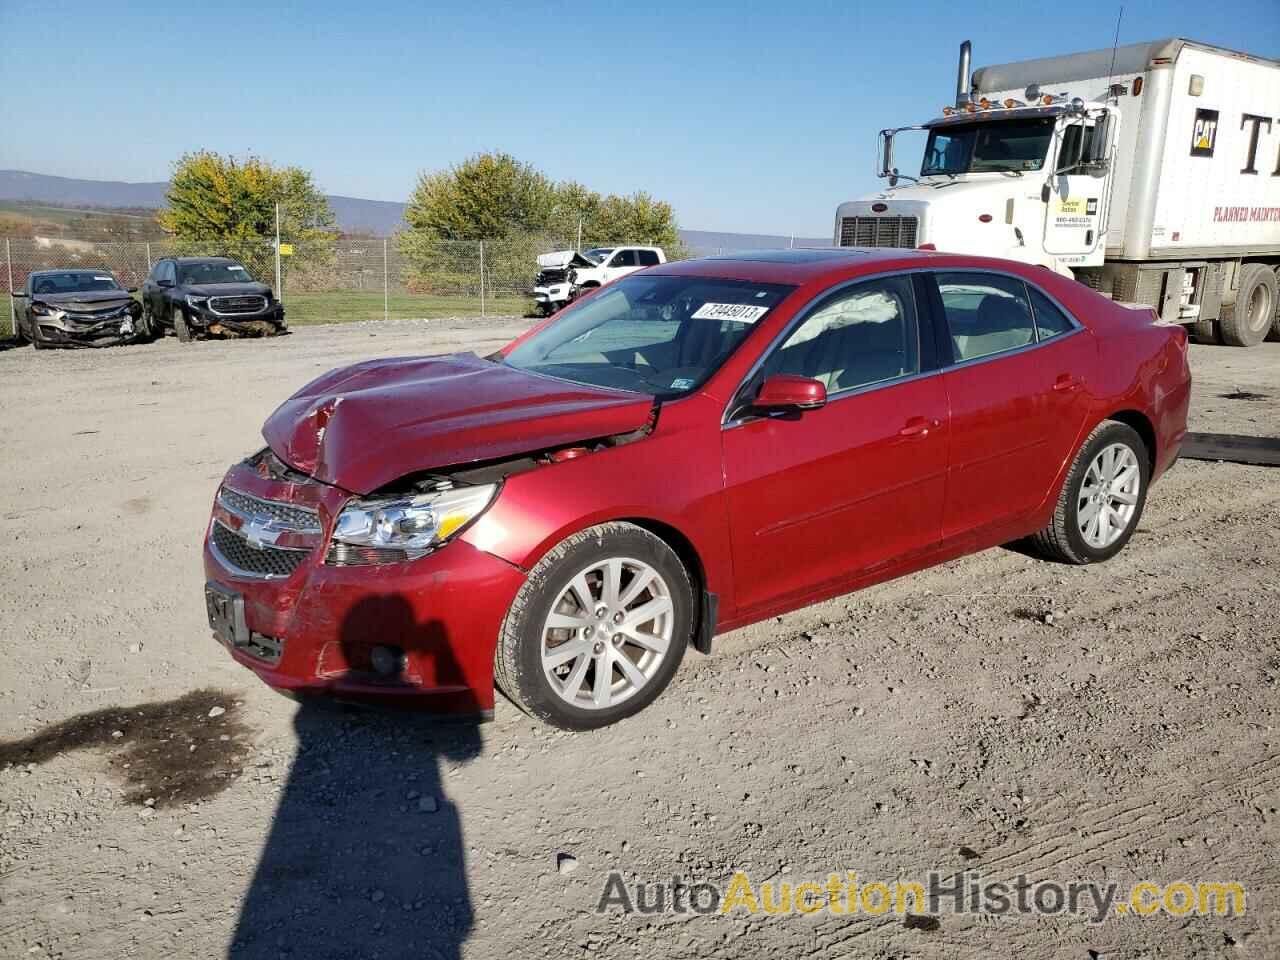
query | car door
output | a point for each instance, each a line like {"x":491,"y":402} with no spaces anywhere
{"x":170,"y":298}
{"x":1018,"y":399}
{"x":622,"y":263}
{"x":818,"y":497}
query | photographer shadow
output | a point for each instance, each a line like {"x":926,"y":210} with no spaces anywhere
{"x":365,"y":855}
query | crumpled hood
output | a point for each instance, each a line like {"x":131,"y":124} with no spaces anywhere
{"x":565,"y":258}
{"x":84,"y":300}
{"x":365,"y":426}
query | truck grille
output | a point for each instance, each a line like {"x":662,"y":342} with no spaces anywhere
{"x":879,"y":231}
{"x":237,"y":305}
{"x":244,"y":557}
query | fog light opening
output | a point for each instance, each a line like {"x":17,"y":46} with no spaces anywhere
{"x":387,"y":662}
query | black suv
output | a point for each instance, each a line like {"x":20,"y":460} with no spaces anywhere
{"x":208,"y":295}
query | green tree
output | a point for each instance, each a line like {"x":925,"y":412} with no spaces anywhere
{"x":519,"y":212}
{"x":225,"y":205}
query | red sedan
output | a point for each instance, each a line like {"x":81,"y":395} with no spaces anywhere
{"x":691,"y":449}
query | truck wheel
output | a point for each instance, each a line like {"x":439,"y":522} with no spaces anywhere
{"x":598,"y":629}
{"x":1247,"y":322}
{"x":1206,"y":331}
{"x":1101,"y":500}
{"x":1274,"y":335}
{"x":180,"y":326}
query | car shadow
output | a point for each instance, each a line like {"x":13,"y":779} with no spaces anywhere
{"x":365,"y":854}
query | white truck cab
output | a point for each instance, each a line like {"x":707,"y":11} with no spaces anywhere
{"x":565,"y":273}
{"x":1147,"y":171}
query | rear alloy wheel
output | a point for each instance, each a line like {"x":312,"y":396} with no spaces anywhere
{"x":1247,"y":322}
{"x":598,"y":629}
{"x":1102,"y":499}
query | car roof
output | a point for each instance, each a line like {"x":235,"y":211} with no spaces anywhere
{"x":820,"y":264}
{"x":66,"y":270}
{"x":202,"y":259}
{"x":798,"y":266}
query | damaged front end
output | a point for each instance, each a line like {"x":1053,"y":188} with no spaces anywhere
{"x":75,"y":324}
{"x":336,"y":558}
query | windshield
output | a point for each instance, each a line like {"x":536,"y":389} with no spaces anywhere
{"x":1006,"y":145}
{"x":75,"y":282}
{"x":658,"y":335}
{"x":201,"y":273}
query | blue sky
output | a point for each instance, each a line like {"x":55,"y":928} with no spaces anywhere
{"x":756,"y":118}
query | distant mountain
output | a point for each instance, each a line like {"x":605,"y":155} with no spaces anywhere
{"x":708,"y":243}
{"x":351,"y":213}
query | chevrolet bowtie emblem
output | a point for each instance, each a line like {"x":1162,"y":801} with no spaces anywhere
{"x":257,"y":530}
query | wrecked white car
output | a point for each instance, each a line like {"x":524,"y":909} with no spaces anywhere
{"x":564,"y":274}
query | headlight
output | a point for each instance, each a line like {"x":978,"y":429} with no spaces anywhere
{"x":393,"y":530}
{"x":194,"y":301}
{"x":42,"y":310}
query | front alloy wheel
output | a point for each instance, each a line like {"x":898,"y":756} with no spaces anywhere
{"x":598,"y":629}
{"x":607,"y":633}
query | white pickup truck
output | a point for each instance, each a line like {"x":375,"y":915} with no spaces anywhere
{"x":563,"y":274}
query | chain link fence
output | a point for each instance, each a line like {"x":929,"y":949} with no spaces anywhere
{"x":323,"y":280}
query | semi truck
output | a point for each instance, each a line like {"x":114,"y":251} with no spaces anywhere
{"x":1150,"y":172}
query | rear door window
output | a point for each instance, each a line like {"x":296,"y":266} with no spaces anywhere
{"x":1050,"y":320}
{"x":648,"y":258}
{"x":986,"y":313}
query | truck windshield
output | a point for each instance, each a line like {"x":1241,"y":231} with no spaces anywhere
{"x":1002,"y":145}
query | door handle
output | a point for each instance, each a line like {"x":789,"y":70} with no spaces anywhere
{"x":919,"y":427}
{"x":1066,"y":383}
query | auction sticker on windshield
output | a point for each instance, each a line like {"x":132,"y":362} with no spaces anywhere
{"x":741,"y":312}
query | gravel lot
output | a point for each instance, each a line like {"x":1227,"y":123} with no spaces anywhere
{"x":996,"y":714}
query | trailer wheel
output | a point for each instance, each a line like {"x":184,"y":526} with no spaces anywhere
{"x":1247,"y":322}
{"x":1274,"y":335}
{"x":1206,"y":331}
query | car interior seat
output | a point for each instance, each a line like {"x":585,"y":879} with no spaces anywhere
{"x":1000,"y":323}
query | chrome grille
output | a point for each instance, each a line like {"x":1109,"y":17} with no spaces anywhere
{"x":264,"y":561}
{"x":236,"y":305}
{"x":879,"y":231}
{"x":296,"y":518}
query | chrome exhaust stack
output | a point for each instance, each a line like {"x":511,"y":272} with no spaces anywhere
{"x":962,"y":74}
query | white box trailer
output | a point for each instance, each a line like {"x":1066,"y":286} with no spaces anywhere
{"x":1150,"y":172}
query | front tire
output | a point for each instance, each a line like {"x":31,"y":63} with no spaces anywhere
{"x":598,"y":629}
{"x":1101,"y":500}
{"x":180,"y":325}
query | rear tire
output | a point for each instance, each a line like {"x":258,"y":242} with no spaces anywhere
{"x":1114,"y":491}
{"x":559,"y":658}
{"x":150,"y":329}
{"x":1247,"y":322}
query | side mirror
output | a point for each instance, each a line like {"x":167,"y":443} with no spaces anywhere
{"x":17,"y":293}
{"x":784,"y":391}
{"x":884,"y":154}
{"x":130,"y":289}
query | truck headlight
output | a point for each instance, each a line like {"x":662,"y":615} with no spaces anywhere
{"x":396,"y":529}
{"x":197,"y":302}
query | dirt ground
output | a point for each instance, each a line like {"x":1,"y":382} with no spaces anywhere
{"x":996,"y":714}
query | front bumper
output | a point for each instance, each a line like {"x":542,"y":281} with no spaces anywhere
{"x":312,"y":631}
{"x":69,"y":330}
{"x":262,"y":323}
{"x":553,"y":294}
